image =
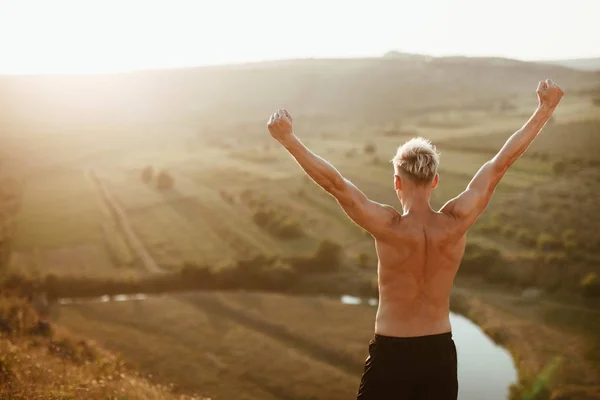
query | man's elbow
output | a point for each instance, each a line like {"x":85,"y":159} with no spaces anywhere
{"x":498,"y":166}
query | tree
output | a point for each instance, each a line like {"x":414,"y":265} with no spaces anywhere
{"x":363,"y":260}
{"x":369,"y":148}
{"x":559,"y":167}
{"x":329,"y":254}
{"x":164,"y":181}
{"x":147,"y":174}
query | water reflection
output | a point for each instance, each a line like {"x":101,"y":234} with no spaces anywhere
{"x":104,"y":299}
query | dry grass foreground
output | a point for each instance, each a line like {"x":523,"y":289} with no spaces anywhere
{"x":62,"y":368}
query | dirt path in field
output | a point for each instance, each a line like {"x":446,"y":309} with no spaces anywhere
{"x":121,"y":217}
{"x":210,"y":304}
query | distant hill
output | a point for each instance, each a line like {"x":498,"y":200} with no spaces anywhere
{"x":584,"y":64}
{"x":369,"y":89}
{"x":406,"y":56}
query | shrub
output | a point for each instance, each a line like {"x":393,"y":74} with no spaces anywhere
{"x":351,"y":153}
{"x":559,"y":167}
{"x":570,"y":245}
{"x":369,"y":148}
{"x":329,"y":253}
{"x":376,"y":160}
{"x":196,"y":275}
{"x":557,"y":258}
{"x":525,"y":237}
{"x":257,"y":272}
{"x":479,"y":260}
{"x":507,"y":230}
{"x":568,"y":234}
{"x":547,"y":242}
{"x":327,"y":258}
{"x":488,"y":227}
{"x":497,"y":272}
{"x":17,"y":316}
{"x":363,"y":260}
{"x":227,"y":197}
{"x":590,"y":285}
{"x":289,"y":229}
{"x":164,"y":181}
{"x":67,"y":349}
{"x":278,"y":225}
{"x":7,"y":374}
{"x":147,"y":174}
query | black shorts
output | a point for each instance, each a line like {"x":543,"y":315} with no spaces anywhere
{"x":422,"y":367}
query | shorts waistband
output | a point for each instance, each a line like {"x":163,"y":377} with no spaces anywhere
{"x":439,"y":337}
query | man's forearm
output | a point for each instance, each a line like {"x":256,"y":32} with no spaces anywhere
{"x":516,"y":145}
{"x":323,"y":173}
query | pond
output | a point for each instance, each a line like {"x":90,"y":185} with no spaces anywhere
{"x":485,"y":370}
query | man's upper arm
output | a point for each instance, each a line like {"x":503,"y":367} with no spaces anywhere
{"x":469,"y":205}
{"x":370,"y":215}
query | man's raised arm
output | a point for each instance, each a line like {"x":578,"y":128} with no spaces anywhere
{"x":470,"y":204}
{"x":371,"y":216}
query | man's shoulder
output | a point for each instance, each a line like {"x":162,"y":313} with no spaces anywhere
{"x":390,"y":213}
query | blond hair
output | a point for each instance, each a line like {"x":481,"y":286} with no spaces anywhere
{"x":418,"y":159}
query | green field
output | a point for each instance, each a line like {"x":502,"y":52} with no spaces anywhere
{"x":64,"y":227}
{"x":209,"y":217}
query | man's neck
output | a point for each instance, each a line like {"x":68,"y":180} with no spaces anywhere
{"x":416,"y":203}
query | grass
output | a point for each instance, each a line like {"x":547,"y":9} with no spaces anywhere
{"x":63,"y":227}
{"x":262,"y":357}
{"x":573,"y":138}
{"x":62,"y":367}
{"x":58,"y":209}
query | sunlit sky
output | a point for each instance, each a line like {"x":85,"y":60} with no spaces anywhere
{"x":85,"y":36}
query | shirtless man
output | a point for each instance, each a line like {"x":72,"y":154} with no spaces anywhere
{"x":412,"y":354}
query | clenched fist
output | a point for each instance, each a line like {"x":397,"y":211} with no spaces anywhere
{"x":549,"y":94}
{"x":280,"y":125}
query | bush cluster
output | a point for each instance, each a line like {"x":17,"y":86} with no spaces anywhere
{"x":162,"y":180}
{"x":327,"y":258}
{"x":479,"y":260}
{"x":369,"y":148}
{"x":277,"y":224}
{"x":258,"y":272}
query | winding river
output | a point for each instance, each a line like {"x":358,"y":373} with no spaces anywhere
{"x":485,"y":370}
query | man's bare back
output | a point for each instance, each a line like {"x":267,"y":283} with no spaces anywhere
{"x":419,"y":252}
{"x":417,"y":264}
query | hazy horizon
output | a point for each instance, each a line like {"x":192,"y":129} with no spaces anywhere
{"x":103,"y":37}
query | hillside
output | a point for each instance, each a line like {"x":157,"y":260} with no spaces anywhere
{"x":60,"y":367}
{"x":584,"y":64}
{"x":330,"y":89}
